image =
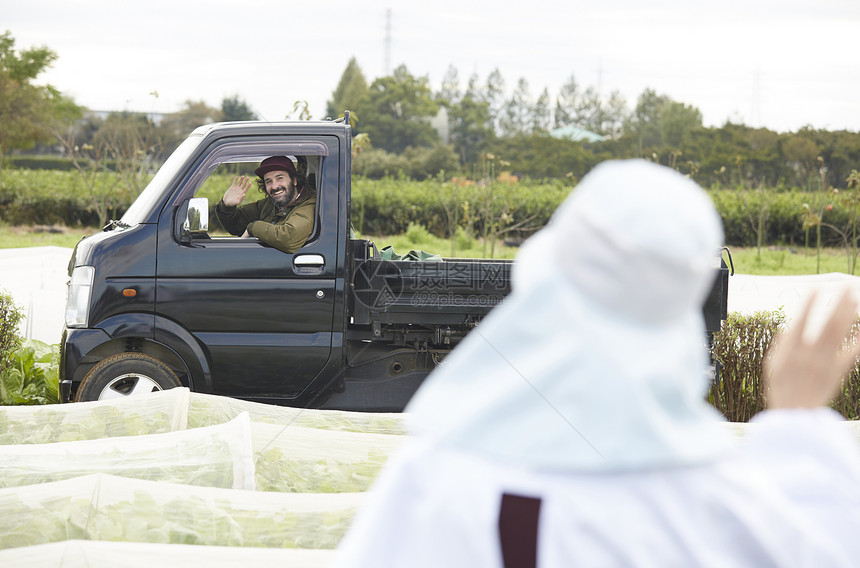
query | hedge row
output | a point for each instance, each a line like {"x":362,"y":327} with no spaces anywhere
{"x":40,"y":197}
{"x":389,"y":206}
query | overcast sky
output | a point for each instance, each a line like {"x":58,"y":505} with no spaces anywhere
{"x":782,"y":64}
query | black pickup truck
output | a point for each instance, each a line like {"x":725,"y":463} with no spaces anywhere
{"x":156,"y":301}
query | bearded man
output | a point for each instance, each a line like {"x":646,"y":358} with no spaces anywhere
{"x":283,"y":219}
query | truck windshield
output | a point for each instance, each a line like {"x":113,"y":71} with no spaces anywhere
{"x":142,"y":208}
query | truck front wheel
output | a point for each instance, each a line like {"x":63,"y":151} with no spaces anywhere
{"x":126,"y":374}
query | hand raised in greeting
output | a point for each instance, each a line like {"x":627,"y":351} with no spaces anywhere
{"x":237,"y":190}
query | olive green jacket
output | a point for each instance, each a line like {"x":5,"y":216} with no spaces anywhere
{"x":286,"y":231}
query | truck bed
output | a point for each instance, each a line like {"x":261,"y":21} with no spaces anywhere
{"x":450,"y":295}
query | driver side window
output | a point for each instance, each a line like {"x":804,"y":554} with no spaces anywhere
{"x":216,"y":184}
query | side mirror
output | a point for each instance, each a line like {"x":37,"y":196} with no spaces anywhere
{"x":197,"y":217}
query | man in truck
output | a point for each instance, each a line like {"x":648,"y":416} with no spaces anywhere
{"x":283,"y":219}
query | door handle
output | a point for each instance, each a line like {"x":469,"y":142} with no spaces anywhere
{"x":309,"y":260}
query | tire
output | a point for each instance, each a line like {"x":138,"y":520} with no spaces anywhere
{"x":126,"y":374}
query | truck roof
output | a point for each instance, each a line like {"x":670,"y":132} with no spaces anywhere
{"x":260,"y":127}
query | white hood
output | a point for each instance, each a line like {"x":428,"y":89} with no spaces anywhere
{"x":597,"y":359}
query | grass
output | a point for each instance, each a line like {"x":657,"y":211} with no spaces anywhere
{"x":773,"y":261}
{"x":789,"y":261}
{"x":42,"y":236}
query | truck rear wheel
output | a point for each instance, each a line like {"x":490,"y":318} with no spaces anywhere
{"x":126,"y":374}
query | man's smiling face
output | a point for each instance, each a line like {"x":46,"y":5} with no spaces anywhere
{"x":280,"y":187}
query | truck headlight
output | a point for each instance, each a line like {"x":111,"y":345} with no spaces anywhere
{"x":78,"y":299}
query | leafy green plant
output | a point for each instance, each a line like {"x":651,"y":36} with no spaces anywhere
{"x":31,"y":376}
{"x":315,"y":460}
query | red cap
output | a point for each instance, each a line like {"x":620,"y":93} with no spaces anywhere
{"x":274,"y":163}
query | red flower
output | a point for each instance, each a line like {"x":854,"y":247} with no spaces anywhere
{"x":830,"y":207}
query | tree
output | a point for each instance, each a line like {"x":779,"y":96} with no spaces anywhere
{"x":177,"y":126}
{"x":516,"y":115}
{"x":644,"y":123}
{"x":28,"y":113}
{"x":588,"y":110}
{"x":541,"y":113}
{"x":801,"y":152}
{"x":234,"y":109}
{"x":114,"y":163}
{"x":539,"y":156}
{"x":493,"y":95}
{"x":609,"y":121}
{"x":396,"y":111}
{"x":659,"y":123}
{"x":677,"y":121}
{"x":351,"y":88}
{"x":473,"y":89}
{"x":449,"y":94}
{"x":566,"y":103}
{"x":470,"y":128}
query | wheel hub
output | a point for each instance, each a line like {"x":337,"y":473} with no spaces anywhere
{"x":129,"y":384}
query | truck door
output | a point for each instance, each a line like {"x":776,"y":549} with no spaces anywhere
{"x":263,"y":318}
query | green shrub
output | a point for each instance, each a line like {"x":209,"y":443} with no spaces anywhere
{"x":24,"y":200}
{"x":10,"y":341}
{"x":378,"y":164}
{"x":740,"y":347}
{"x":416,"y":233}
{"x":414,"y":163}
{"x":847,"y":402}
{"x":41,"y":163}
{"x":10,"y":317}
{"x":388,"y":206}
{"x":463,"y":239}
{"x":784,"y":215}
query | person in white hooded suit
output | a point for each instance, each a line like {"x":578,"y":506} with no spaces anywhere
{"x":570,"y":428}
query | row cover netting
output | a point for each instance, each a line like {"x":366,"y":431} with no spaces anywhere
{"x":169,"y":411}
{"x":163,"y":411}
{"x":297,"y":459}
{"x":107,"y":554}
{"x":238,"y":454}
{"x":105,"y":507}
{"x":150,"y":475}
{"x":215,"y":456}
{"x":207,"y":409}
